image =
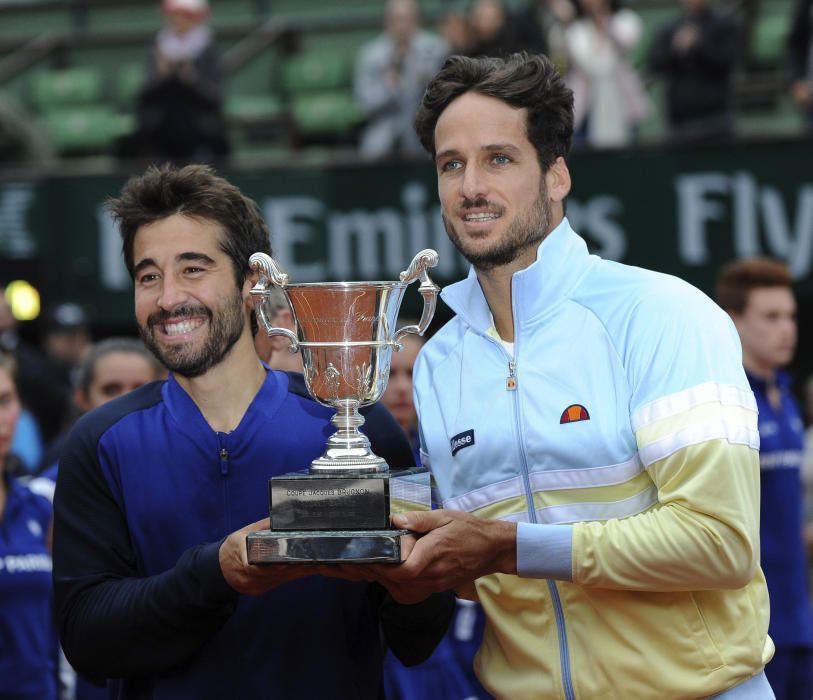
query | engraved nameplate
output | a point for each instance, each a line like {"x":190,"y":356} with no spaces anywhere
{"x":316,"y":502}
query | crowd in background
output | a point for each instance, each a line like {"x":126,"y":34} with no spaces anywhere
{"x":593,"y":42}
{"x":613,"y":62}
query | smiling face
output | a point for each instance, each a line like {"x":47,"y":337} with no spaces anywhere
{"x":493,"y":194}
{"x":189,"y":311}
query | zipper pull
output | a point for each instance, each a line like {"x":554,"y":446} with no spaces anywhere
{"x":511,"y":381}
{"x":224,"y":461}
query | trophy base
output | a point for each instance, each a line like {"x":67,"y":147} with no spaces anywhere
{"x":325,"y":547}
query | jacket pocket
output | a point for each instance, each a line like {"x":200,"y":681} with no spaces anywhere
{"x":699,"y":630}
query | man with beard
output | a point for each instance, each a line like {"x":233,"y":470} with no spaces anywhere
{"x":155,"y":489}
{"x":588,"y":424}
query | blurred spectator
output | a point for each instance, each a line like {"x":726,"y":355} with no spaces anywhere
{"x":541,"y":26}
{"x":275,"y":350}
{"x":807,"y":475}
{"x":180,"y":105}
{"x":455,"y":28}
{"x":758,"y":296}
{"x":28,"y":645}
{"x":391,"y":75}
{"x":449,"y":673}
{"x":695,"y":54}
{"x":800,"y":53}
{"x":66,"y":340}
{"x":493,"y":32}
{"x":109,"y":369}
{"x":41,"y":391}
{"x":397,"y":397}
{"x":609,"y":97}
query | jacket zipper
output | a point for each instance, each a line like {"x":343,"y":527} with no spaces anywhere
{"x":224,"y":461}
{"x":225,"y":468}
{"x":511,"y":385}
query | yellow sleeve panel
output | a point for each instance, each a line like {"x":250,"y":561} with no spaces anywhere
{"x":702,"y":534}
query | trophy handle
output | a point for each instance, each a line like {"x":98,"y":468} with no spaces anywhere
{"x":418,"y":268}
{"x":270,"y":274}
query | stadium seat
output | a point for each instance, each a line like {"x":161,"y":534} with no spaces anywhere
{"x":253,"y":109}
{"x":66,"y":86}
{"x":769,"y":38}
{"x":129,"y":79}
{"x":319,"y":88}
{"x":333,"y":113}
{"x":85,"y":130}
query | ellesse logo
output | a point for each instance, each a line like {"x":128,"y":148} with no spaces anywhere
{"x":574,"y":413}
{"x":461,"y":441}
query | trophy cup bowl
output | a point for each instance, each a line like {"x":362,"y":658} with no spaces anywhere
{"x":346,"y":333}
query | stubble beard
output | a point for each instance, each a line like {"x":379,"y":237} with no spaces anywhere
{"x":525,"y":232}
{"x":225,"y":328}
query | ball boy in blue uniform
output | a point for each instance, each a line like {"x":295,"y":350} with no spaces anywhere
{"x":758,"y":295}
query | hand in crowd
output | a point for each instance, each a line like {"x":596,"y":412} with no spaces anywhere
{"x":801,"y":92}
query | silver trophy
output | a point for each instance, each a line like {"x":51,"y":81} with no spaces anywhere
{"x":346,"y":331}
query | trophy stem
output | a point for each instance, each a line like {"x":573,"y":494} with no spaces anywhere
{"x":348,"y":449}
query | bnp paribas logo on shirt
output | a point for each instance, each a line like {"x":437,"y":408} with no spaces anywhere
{"x":461,"y":441}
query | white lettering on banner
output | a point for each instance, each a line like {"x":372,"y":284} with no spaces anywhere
{"x":593,"y":219}
{"x":114,"y":275}
{"x":360,"y":232}
{"x":706,"y":198}
{"x":16,"y":241}
{"x":378,"y":244}
{"x":293,"y":222}
{"x":695,"y":210}
{"x":794,"y":249}
{"x":357,"y":244}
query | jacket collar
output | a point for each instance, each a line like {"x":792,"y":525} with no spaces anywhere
{"x":781,"y":379}
{"x":561,"y":260}
{"x":186,"y":412}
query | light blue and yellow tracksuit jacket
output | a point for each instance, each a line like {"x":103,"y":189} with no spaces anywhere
{"x":622,"y":436}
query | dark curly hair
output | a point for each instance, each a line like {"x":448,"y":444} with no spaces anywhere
{"x":520,"y":80}
{"x":197,"y":192}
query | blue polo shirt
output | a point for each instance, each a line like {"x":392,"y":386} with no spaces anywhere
{"x":783,"y":559}
{"x":28,"y":647}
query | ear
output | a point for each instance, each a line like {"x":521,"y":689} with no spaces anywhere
{"x":252,"y":276}
{"x":557,"y":179}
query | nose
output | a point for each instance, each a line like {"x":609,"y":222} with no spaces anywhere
{"x":473,"y":185}
{"x":172,"y":293}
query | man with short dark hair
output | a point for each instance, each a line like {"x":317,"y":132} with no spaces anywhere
{"x":758,"y":295}
{"x":156,"y":488}
{"x":589,"y":427}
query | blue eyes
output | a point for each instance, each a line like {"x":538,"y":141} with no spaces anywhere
{"x":452,"y":165}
